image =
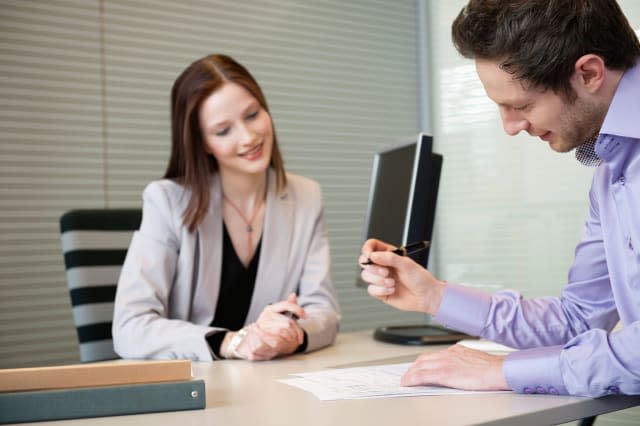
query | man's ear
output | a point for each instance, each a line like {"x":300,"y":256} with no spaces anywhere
{"x":588,"y":73}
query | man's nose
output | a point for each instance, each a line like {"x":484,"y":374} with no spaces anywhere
{"x":513,"y":124}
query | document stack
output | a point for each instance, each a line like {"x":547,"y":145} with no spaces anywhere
{"x":98,"y":389}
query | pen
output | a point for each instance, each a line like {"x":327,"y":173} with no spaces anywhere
{"x":407,"y":250}
{"x":290,"y":314}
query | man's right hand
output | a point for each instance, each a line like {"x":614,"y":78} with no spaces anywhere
{"x":398,"y":280}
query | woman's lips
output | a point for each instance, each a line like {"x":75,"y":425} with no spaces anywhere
{"x":253,"y":153}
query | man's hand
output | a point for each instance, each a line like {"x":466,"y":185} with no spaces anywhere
{"x":398,"y":280}
{"x":457,"y":367}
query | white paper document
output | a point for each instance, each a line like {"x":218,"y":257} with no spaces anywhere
{"x":379,"y":381}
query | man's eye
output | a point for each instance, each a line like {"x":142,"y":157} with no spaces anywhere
{"x":521,"y":108}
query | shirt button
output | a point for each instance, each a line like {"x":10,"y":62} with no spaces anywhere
{"x":553,"y":391}
{"x":528,"y":390}
{"x":540,"y":389}
{"x":613,"y":389}
{"x":621,"y":180}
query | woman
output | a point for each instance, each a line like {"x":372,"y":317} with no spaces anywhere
{"x":232,"y":257}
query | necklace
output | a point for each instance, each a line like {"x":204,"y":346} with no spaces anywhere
{"x":248,"y":222}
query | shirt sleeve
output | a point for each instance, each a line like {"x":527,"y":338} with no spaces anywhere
{"x":567,"y":347}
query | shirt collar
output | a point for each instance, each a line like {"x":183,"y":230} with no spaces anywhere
{"x":620,"y":124}
{"x":624,"y":111}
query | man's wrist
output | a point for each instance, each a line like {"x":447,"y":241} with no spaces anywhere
{"x":434,"y":296}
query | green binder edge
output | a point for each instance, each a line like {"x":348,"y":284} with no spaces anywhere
{"x":31,"y":406}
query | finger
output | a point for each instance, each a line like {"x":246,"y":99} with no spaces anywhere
{"x":288,"y":306}
{"x":268,"y":339}
{"x":389,"y":259}
{"x":380,"y":292}
{"x":372,"y":245}
{"x":421,"y":372}
{"x":377,"y":276}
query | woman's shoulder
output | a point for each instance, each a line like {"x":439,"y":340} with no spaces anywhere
{"x":166,"y":191}
{"x":299,"y":183}
{"x":303,"y":190}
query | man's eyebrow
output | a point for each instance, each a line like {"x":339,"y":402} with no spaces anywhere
{"x":516,"y":102}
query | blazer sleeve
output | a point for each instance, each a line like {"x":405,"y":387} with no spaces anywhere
{"x":316,"y":293}
{"x":142,"y":327}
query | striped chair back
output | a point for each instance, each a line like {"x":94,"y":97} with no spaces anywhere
{"x":95,"y":243}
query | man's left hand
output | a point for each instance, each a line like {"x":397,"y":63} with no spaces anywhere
{"x":457,"y":367}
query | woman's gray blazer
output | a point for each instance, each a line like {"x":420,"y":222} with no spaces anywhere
{"x":169,"y":285}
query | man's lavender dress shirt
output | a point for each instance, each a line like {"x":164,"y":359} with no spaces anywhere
{"x":566,"y":342}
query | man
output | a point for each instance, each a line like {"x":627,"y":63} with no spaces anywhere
{"x":565,"y":71}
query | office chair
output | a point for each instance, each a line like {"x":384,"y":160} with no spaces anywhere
{"x":94,"y":244}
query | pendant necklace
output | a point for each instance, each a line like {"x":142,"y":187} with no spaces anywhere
{"x":248,"y":222}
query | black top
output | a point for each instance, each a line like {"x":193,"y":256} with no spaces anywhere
{"x":236,"y":290}
{"x":236,"y":286}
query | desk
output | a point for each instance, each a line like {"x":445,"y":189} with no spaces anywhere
{"x":246,"y":393}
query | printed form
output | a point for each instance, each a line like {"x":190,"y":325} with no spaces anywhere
{"x":379,"y":381}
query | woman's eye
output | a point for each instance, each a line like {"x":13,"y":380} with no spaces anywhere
{"x":222,"y":132}
{"x":252,"y":115}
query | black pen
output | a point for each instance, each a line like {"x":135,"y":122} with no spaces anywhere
{"x":407,"y":250}
{"x":291,"y":315}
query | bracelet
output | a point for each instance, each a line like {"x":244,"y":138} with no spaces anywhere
{"x":235,"y":342}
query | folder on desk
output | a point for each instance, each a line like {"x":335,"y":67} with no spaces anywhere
{"x":74,"y":403}
{"x":121,"y":372}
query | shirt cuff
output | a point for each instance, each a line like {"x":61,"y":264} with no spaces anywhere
{"x":302,"y":346}
{"x":535,"y":371}
{"x":464,"y":309}
{"x":214,"y":340}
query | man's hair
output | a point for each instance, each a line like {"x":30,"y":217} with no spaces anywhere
{"x":539,"y":41}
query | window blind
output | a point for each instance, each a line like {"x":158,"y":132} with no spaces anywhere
{"x":85,"y":123}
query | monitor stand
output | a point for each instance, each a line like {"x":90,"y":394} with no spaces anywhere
{"x":419,"y":334}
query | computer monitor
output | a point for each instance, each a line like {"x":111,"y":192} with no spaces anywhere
{"x":401,"y":210}
{"x":402,"y":195}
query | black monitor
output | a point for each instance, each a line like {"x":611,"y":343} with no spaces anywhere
{"x":402,"y":195}
{"x":401,"y":210}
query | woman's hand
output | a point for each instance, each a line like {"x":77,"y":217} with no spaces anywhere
{"x":274,"y":333}
{"x":398,"y":280}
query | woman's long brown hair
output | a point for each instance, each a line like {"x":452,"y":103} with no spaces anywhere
{"x":189,"y":163}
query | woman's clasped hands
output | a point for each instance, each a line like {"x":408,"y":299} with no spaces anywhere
{"x":273,"y":334}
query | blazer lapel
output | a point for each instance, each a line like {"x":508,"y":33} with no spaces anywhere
{"x":209,"y":258}
{"x":274,"y":252}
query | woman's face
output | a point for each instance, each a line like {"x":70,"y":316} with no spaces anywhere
{"x":236,"y":130}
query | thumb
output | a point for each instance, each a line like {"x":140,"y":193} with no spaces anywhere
{"x":292,"y":298}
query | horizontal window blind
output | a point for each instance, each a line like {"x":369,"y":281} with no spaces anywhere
{"x":51,"y":156}
{"x":85,"y":123}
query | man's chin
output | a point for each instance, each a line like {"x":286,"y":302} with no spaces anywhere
{"x":561,"y":146}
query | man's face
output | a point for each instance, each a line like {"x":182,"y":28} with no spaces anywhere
{"x":544,"y":114}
